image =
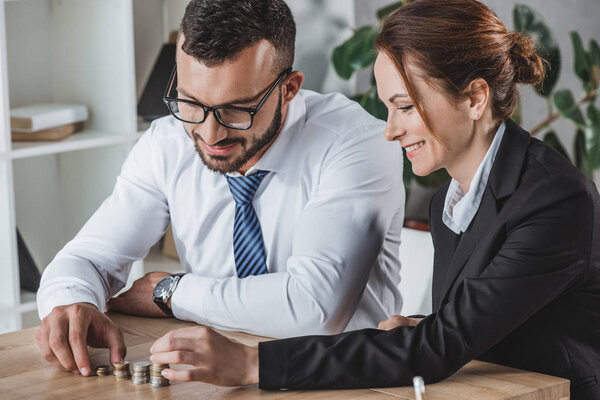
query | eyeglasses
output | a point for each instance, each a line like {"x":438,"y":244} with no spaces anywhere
{"x":240,"y":118}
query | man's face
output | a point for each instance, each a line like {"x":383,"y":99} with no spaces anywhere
{"x":242,"y":82}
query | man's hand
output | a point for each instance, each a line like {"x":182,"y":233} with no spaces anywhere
{"x":138,"y":299}
{"x":398,"y":320}
{"x":65,"y":333}
{"x":217,"y":359}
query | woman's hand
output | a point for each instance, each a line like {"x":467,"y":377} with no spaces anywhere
{"x":217,"y":359}
{"x":398,"y":320}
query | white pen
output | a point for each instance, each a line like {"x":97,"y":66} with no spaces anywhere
{"x":419,"y":387}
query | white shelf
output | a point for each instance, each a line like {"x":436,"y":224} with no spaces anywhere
{"x":77,"y":141}
{"x":26,"y":304}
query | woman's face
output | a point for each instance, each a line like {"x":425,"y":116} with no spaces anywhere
{"x":450,"y":121}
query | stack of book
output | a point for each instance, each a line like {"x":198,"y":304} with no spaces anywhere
{"x":46,"y":121}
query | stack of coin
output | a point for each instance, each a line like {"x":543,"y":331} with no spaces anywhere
{"x":156,"y":378}
{"x":121,"y":370}
{"x":141,"y":370}
{"x":102,"y":370}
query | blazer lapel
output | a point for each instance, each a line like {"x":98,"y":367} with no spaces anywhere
{"x":474,"y":234}
{"x":502,"y":182}
{"x":445,"y":244}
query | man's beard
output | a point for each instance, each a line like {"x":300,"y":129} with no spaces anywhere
{"x":222,"y":164}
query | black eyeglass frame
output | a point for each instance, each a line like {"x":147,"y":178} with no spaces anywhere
{"x":252,"y":111}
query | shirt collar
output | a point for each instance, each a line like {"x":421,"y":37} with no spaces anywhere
{"x":274,"y":159}
{"x":459,"y":207}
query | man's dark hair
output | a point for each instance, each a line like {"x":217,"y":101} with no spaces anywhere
{"x":217,"y":30}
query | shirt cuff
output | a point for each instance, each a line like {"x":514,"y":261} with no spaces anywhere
{"x":187,"y":302}
{"x":61,"y":292}
{"x":68,"y":280}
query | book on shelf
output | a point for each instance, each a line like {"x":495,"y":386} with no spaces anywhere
{"x":39,"y":117}
{"x":150,"y":105}
{"x":57,"y":133}
{"x":29,"y":274}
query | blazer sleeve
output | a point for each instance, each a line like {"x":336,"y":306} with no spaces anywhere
{"x":545,"y":254}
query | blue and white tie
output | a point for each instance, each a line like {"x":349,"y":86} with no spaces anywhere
{"x":248,"y":246}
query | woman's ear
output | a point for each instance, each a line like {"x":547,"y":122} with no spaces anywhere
{"x":478,"y":93}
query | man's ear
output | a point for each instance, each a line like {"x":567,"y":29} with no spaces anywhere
{"x":478,"y":93}
{"x":291,"y":86}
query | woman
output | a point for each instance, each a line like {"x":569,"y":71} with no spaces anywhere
{"x":516,"y":232}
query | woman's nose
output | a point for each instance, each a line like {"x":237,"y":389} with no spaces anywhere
{"x":393,"y":130}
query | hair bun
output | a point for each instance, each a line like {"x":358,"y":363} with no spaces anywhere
{"x":528,"y":65}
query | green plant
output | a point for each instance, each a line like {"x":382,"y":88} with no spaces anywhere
{"x":586,"y":146}
{"x":358,"y":53}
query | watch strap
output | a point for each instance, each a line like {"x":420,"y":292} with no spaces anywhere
{"x":162,"y":303}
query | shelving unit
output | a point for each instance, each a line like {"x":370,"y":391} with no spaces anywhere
{"x":93,"y":52}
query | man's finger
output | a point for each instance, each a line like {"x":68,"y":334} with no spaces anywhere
{"x":184,"y":338}
{"x":186,"y":375}
{"x":181,"y":339}
{"x":59,"y":343}
{"x":177,"y":357}
{"x":78,"y":328}
{"x":45,"y":350}
{"x":115,"y":344}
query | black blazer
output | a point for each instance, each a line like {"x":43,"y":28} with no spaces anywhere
{"x":521,"y":287}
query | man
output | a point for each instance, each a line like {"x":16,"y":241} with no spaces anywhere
{"x":287,"y":219}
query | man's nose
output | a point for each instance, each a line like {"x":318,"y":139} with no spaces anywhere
{"x":211,"y":131}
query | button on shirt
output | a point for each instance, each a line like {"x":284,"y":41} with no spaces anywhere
{"x":460,"y":208}
{"x":331,"y":211}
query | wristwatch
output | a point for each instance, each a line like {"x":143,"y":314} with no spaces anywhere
{"x":164,"y":290}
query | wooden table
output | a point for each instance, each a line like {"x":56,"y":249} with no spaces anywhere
{"x":25,"y":375}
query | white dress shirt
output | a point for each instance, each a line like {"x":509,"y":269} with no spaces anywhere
{"x":460,"y":207}
{"x":331,"y":211}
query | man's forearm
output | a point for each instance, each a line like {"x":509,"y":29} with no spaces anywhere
{"x":69,"y":280}
{"x":252,"y":305}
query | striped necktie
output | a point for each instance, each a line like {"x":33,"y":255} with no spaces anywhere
{"x":248,"y":246}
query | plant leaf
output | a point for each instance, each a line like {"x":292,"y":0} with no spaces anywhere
{"x":385,"y":11}
{"x":582,"y":62}
{"x":355,"y":53}
{"x":581,"y":155}
{"x":594,"y":58}
{"x":565,"y":102}
{"x":593,"y":136}
{"x":551,"y":139}
{"x":529,"y":22}
{"x":340,"y":62}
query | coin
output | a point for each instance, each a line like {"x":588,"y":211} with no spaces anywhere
{"x":156,"y":378}
{"x":102,"y":370}
{"x":121,"y":365}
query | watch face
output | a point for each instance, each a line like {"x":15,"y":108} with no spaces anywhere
{"x":162,"y":288}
